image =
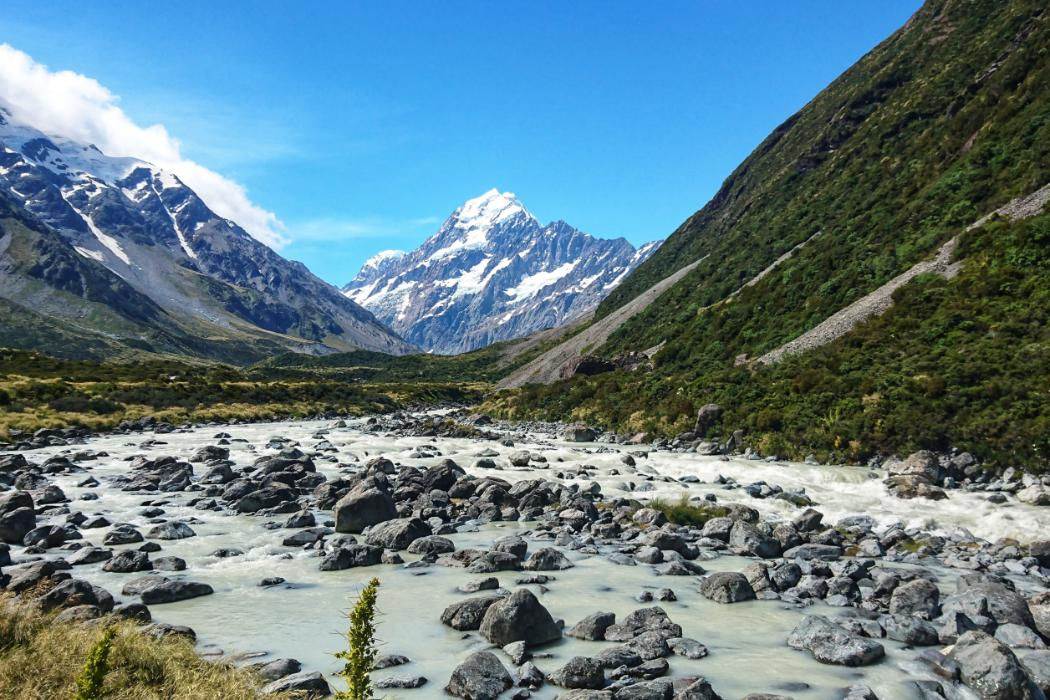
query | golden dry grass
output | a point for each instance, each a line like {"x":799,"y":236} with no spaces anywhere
{"x":40,"y":659}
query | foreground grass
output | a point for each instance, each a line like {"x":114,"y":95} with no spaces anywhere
{"x":40,"y":660}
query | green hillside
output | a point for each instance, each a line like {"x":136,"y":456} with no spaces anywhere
{"x":943,"y":122}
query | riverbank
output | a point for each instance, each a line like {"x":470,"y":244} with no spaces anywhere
{"x":508,"y":508}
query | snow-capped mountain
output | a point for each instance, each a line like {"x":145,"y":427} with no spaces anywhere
{"x":78,"y":226}
{"x":491,"y":272}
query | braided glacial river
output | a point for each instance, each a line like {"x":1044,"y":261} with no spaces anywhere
{"x":302,"y":618}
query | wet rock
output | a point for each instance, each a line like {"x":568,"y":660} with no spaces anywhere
{"x":73,"y":592}
{"x":593,"y":626}
{"x":79,"y":613}
{"x":823,"y":552}
{"x":402,"y":682}
{"x":351,"y":555}
{"x":485,"y":584}
{"x":136,"y":612}
{"x":128,"y":561}
{"x":432,"y":544}
{"x":519,"y":617}
{"x":306,"y":683}
{"x":45,"y":537}
{"x":171,"y":530}
{"x":480,"y":677}
{"x":580,"y":672}
{"x":122,"y":534}
{"x":993,"y":599}
{"x":16,"y":522}
{"x":831,"y":644}
{"x":169,"y":564}
{"x":990,"y":668}
{"x":694,"y":689}
{"x":467,"y":614}
{"x":645,"y":690}
{"x":747,"y":539}
{"x":391,"y":660}
{"x":547,"y":559}
{"x":278,"y":668}
{"x":1037,"y":664}
{"x":910,"y":630}
{"x":363,"y":508}
{"x":727,"y":587}
{"x":919,"y":597}
{"x":174,"y":591}
{"x":1019,"y":637}
{"x":687,"y":648}
{"x":397,"y":534}
{"x":89,"y":555}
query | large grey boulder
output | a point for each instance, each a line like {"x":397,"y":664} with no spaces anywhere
{"x":397,"y":534}
{"x":480,"y":677}
{"x":547,"y":559}
{"x":706,"y":417}
{"x":467,"y":614}
{"x":350,"y":556}
{"x":174,"y":591}
{"x":580,"y":672}
{"x":19,"y":520}
{"x":1037,"y":664}
{"x":992,"y":599}
{"x":519,"y":617}
{"x":128,"y":561}
{"x":831,"y":644}
{"x":306,"y":683}
{"x":171,"y":530}
{"x":727,"y":587}
{"x":363,"y":508}
{"x":919,"y":597}
{"x":593,"y":626}
{"x":747,"y":539}
{"x":990,"y":668}
{"x":76,"y":592}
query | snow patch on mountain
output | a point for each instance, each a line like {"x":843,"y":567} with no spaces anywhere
{"x":491,"y":272}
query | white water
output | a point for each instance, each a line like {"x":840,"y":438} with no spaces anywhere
{"x":302,"y":619}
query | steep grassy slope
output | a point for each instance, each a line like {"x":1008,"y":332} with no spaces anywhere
{"x":945,"y":121}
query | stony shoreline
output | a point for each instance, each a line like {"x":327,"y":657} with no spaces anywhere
{"x":856,"y":589}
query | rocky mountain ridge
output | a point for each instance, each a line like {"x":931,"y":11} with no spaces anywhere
{"x":492,"y":272}
{"x":130,"y":225}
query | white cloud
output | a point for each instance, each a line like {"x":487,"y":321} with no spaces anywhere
{"x":80,"y":108}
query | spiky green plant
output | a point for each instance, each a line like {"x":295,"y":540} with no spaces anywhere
{"x":360,"y":655}
{"x":93,"y":674}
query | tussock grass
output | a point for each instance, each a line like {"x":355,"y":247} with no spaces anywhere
{"x":682,"y":512}
{"x":40,"y":660}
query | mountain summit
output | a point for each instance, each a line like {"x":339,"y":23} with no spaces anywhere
{"x":101,"y":255}
{"x":491,"y":272}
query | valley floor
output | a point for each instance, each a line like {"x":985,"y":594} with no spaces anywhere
{"x":569,"y":505}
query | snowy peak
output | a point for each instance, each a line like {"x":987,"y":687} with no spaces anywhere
{"x":128,"y":220}
{"x":491,"y":272}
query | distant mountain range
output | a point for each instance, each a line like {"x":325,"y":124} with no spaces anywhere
{"x":491,"y":272}
{"x":102,"y":255}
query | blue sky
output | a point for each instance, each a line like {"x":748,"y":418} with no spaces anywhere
{"x":363,"y":125}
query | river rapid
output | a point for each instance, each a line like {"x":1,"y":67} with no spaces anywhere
{"x":303,"y":618}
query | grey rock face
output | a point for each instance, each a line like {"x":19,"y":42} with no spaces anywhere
{"x":919,"y":597}
{"x":174,"y":591}
{"x":990,"y":668}
{"x":364,"y":508}
{"x":491,"y":272}
{"x":397,"y":534}
{"x":831,"y":644}
{"x":727,"y":587}
{"x":468,"y":614}
{"x":593,"y":626}
{"x":306,"y":682}
{"x":580,"y":672}
{"x":480,"y":677}
{"x":126,"y":235}
{"x":519,"y":617}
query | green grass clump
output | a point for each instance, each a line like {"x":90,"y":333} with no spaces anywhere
{"x":40,"y":658}
{"x":682,"y":512}
{"x":360,"y":656}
